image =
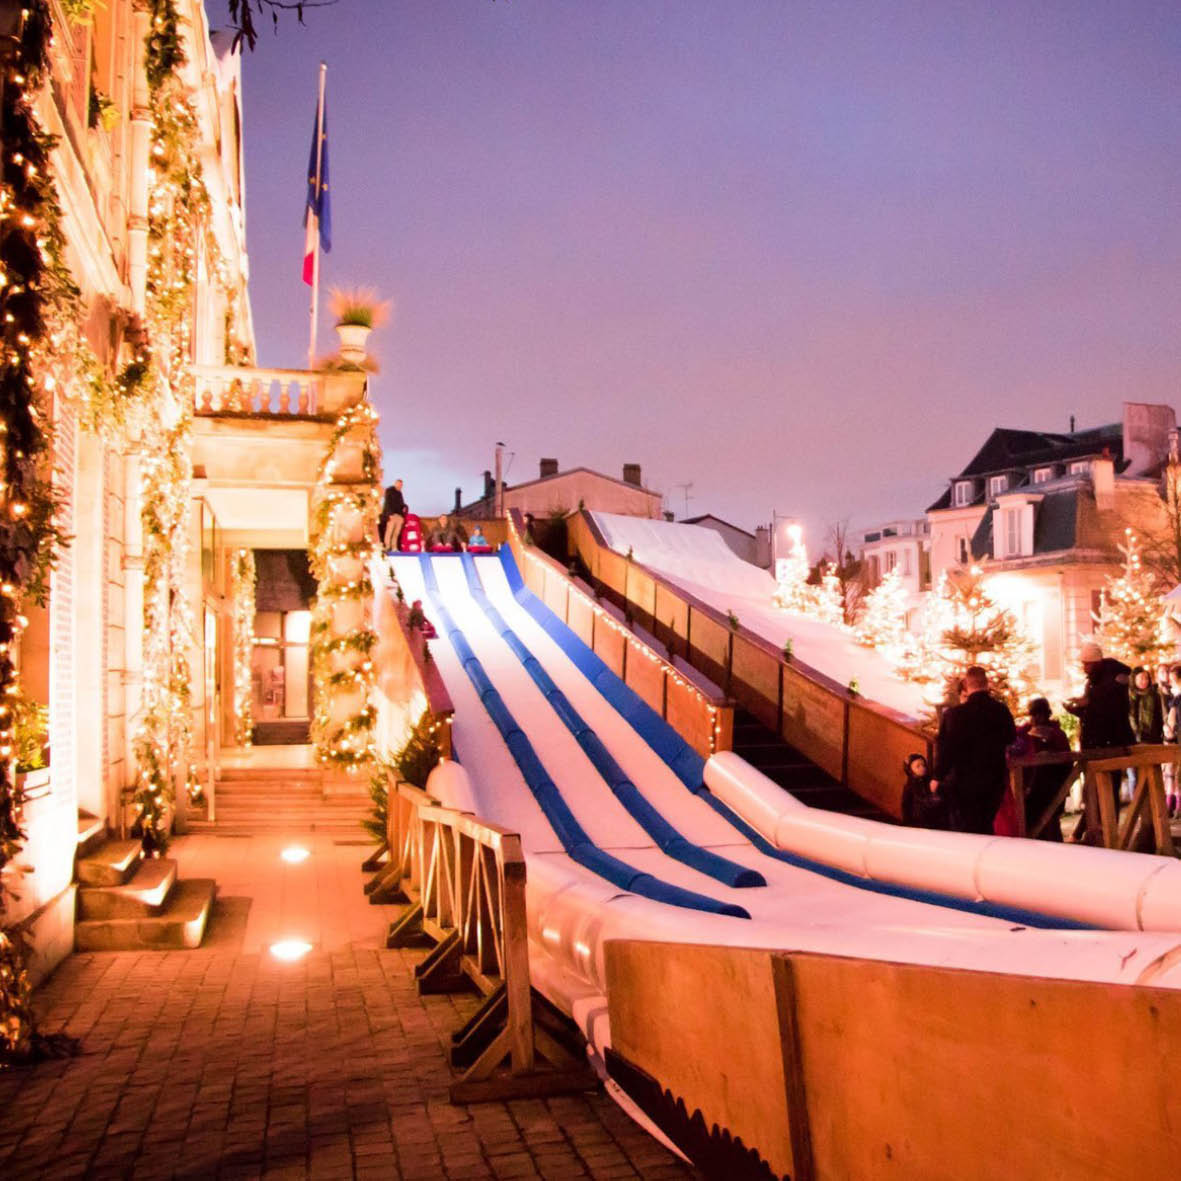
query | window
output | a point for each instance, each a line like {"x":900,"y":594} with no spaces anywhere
{"x":1080,"y":467}
{"x":963,"y":550}
{"x":997,"y":485}
{"x":890,"y":560}
{"x":1042,"y":474}
{"x":962,"y":493}
{"x":906,"y":567}
{"x":1012,"y":532}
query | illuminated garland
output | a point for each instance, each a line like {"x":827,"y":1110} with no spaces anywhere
{"x":29,"y":538}
{"x":242,"y":606}
{"x":178,"y":212}
{"x":343,"y":544}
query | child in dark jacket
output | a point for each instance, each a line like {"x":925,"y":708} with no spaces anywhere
{"x":922,"y":807}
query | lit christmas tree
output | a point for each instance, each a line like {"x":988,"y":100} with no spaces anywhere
{"x":827,"y":600}
{"x":1130,"y":624}
{"x":791,"y":575}
{"x":980,"y":631}
{"x":883,"y":621}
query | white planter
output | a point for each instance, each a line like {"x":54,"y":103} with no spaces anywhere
{"x":352,"y":342}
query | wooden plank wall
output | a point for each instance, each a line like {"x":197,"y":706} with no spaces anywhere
{"x":856,"y":741}
{"x":841,"y":1067}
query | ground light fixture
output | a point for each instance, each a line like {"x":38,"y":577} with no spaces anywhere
{"x":294,"y":854}
{"x":290,"y":950}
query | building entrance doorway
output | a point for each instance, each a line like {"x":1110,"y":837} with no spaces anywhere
{"x":280,"y":663}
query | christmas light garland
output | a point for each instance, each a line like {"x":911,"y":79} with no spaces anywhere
{"x":343,"y":544}
{"x":29,"y":538}
{"x":242,"y":606}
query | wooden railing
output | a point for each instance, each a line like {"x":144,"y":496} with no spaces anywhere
{"x":1100,"y":822}
{"x":228,"y":389}
{"x":705,"y":720}
{"x":463,"y":880}
{"x":859,"y":742}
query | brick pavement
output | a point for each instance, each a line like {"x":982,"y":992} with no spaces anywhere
{"x":224,"y":1062}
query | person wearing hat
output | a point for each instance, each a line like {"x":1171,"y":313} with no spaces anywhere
{"x":1042,"y":734}
{"x":1103,"y":708}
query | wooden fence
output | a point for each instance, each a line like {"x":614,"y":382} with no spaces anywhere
{"x":463,"y":880}
{"x":858,"y":742}
{"x":705,"y":720}
{"x":763,"y":1064}
{"x":1100,"y":822}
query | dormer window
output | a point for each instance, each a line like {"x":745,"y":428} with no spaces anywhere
{"x":1080,"y":467}
{"x":997,"y":485}
{"x":961,"y":493}
{"x":1042,"y":475}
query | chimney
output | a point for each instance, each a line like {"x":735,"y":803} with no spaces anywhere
{"x":549,"y":467}
{"x":489,"y":485}
{"x":1103,"y":483}
{"x":458,"y":499}
{"x":631,"y":474}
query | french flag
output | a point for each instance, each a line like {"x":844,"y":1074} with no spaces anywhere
{"x":317,"y":212}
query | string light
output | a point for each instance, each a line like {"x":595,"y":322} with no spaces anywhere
{"x":242,"y":607}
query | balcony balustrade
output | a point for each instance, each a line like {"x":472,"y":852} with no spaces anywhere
{"x":269,"y":393}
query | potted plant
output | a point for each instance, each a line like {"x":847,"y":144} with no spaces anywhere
{"x":358,"y":311}
{"x":30,"y":731}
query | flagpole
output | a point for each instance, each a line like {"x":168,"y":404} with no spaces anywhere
{"x":315,"y":309}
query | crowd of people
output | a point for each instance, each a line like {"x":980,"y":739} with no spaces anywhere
{"x":394,"y":527}
{"x":967,"y":788}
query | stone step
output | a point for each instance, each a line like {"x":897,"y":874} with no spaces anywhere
{"x":109,"y":865}
{"x":270,"y":774}
{"x":145,"y":894}
{"x":92,"y":832}
{"x":234,"y":827}
{"x":180,"y":924}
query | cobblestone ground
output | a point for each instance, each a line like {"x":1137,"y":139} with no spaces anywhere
{"x":218,"y":1063}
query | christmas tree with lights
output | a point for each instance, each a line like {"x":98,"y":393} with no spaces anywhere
{"x":980,"y":631}
{"x":1130,"y":624}
{"x":827,"y":600}
{"x":791,"y":575}
{"x":883,"y":621}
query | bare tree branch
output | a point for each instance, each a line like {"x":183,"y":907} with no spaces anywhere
{"x":242,"y":15}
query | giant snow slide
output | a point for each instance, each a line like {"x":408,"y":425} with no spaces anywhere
{"x":628,"y":833}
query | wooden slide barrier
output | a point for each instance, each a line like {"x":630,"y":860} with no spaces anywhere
{"x":463,"y":880}
{"x":859,"y":742}
{"x":1146,"y":824}
{"x":704,"y":720}
{"x":784,"y":1064}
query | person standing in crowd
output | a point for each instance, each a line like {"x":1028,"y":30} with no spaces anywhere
{"x":970,"y":768}
{"x":1042,"y":734}
{"x":1145,"y":710}
{"x":393,"y":515}
{"x":1103,"y":709}
{"x":1172,"y":716}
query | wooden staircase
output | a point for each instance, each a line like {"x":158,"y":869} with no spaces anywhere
{"x":129,"y":903}
{"x":250,"y":801}
{"x":780,"y":761}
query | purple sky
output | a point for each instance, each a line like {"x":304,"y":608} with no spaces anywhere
{"x":804,"y":255}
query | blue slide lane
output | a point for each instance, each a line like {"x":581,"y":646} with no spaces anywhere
{"x":689,"y":767}
{"x":570,"y":833}
{"x":671,"y":842}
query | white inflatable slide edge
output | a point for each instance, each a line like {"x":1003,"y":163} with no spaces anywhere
{"x":1101,"y":887}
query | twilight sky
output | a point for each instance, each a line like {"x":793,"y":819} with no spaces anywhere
{"x":805,"y":255}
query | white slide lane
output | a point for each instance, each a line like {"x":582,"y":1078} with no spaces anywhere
{"x":811,"y":896}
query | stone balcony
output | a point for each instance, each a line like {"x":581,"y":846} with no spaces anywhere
{"x":239,"y":391}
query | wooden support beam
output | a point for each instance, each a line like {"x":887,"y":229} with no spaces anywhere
{"x":406,"y":930}
{"x":440,"y":972}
